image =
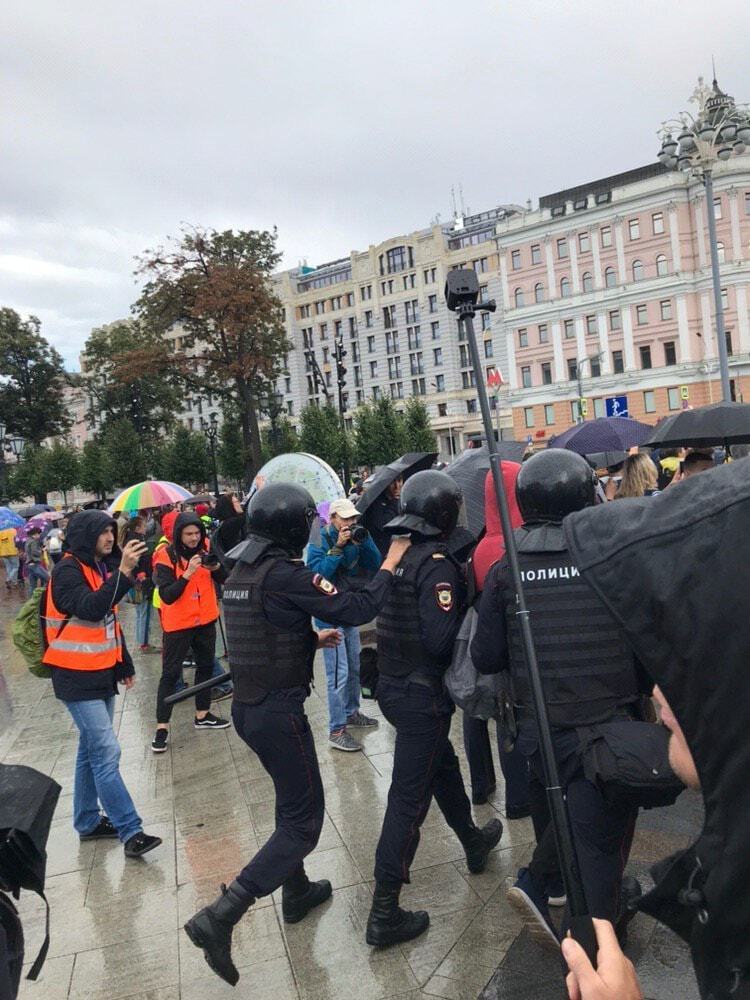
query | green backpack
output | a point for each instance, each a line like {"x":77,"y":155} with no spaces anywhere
{"x":28,"y":633}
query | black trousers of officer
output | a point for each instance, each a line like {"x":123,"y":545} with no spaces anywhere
{"x":278,"y":731}
{"x":425,"y":764}
{"x":175,"y":647}
{"x":602,"y":830}
{"x":513,"y":764}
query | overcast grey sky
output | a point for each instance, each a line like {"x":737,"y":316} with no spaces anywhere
{"x":340,"y":123}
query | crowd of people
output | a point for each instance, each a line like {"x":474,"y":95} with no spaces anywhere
{"x":284,"y":596}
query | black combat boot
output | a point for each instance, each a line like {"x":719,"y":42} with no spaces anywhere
{"x":479,"y":843}
{"x":388,"y":923}
{"x":211,"y":929}
{"x":299,"y":895}
{"x":630,"y":894}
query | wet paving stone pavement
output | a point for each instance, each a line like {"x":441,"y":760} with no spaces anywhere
{"x":115,"y":929}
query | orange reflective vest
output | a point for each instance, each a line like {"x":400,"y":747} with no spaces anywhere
{"x":197,"y":605}
{"x":77,"y":644}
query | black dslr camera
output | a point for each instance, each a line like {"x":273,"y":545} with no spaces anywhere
{"x":359,"y":533}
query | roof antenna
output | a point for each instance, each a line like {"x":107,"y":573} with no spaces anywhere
{"x":713,"y":67}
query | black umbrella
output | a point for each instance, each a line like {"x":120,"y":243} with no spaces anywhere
{"x":606,"y":459}
{"x":716,"y":424}
{"x":200,"y":498}
{"x":401,"y":468}
{"x":469,"y":472}
{"x":33,"y":509}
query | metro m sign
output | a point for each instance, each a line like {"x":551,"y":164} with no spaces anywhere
{"x":494,"y":379}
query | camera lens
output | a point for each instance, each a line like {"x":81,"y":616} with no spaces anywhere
{"x":359,"y":533}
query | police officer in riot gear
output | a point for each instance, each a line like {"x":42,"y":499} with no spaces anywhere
{"x":269,"y":599}
{"x":416,"y":630}
{"x":589,"y":676}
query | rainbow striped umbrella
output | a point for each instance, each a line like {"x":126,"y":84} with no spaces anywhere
{"x":150,"y":493}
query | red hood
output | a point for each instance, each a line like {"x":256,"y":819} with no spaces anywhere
{"x":167,"y":523}
{"x":492,"y":546}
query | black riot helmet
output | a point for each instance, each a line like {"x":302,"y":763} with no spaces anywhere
{"x":429,"y":504}
{"x":554,"y":483}
{"x":282,"y":513}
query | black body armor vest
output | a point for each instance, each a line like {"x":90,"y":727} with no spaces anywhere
{"x":400,"y":649}
{"x":262,"y":657}
{"x":588,"y":670}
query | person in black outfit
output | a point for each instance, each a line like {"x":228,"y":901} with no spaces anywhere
{"x":589,"y":674}
{"x":416,"y":630}
{"x":382,"y":511}
{"x":269,"y":598}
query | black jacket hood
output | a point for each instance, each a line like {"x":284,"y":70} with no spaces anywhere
{"x":672,"y":569}
{"x":183,"y":519}
{"x":83,"y":531}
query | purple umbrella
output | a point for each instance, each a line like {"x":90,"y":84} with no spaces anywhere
{"x":603,"y":434}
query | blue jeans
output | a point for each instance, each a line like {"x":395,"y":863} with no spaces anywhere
{"x":142,"y":621}
{"x":342,"y":673}
{"x":36,"y":573}
{"x":97,"y":778}
{"x":11,"y":568}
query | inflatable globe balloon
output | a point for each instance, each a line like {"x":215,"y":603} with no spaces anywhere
{"x":317,"y":477}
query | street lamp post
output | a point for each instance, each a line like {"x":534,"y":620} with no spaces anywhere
{"x":275,"y":409}
{"x":720,"y":129}
{"x":581,"y":361}
{"x":14,"y":444}
{"x":211,"y":430}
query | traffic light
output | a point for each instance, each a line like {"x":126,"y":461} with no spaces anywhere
{"x":340,"y":354}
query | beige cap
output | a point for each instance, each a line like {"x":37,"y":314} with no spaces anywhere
{"x":344,"y":508}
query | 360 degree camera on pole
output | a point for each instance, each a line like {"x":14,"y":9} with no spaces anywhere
{"x":461,"y":295}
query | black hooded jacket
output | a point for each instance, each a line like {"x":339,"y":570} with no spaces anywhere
{"x":73,"y":596}
{"x":171,"y":588}
{"x":673,"y":569}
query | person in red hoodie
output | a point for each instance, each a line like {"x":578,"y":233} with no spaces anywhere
{"x":490,"y":550}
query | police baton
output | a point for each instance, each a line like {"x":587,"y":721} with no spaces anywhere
{"x":461,"y":295}
{"x":172,"y":699}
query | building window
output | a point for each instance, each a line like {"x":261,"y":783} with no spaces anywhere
{"x":747,"y":202}
{"x":562,"y":249}
{"x":391,"y":342}
{"x":432,"y":305}
{"x":670,"y":354}
{"x":370,"y":345}
{"x":565,"y":287}
{"x":438,"y":356}
{"x":591,"y":325}
{"x":373,"y":369}
{"x":599,"y":408}
{"x":634,"y":229}
{"x":355,"y":352}
{"x":610,"y":278}
{"x":665,"y":308}
{"x":606,"y":237}
{"x":641,"y":315}
{"x":389,"y":316}
{"x":415,"y":364}
{"x":365,"y":292}
{"x":638,"y":271}
{"x":596,"y":367}
{"x":617,"y":364}
{"x":394,"y":368}
{"x":717,"y":208}
{"x":569,"y":329}
{"x":518,"y":297}
{"x":464,"y":356}
{"x":515,"y":260}
{"x":435,"y":330}
{"x":649,"y":401}
{"x":657,"y":223}
{"x":439,"y":383}
{"x":543,"y":333}
{"x":353,"y":327}
{"x":615,"y":320}
{"x":324,"y":331}
{"x":661,"y":265}
{"x":588,"y":282}
{"x":471,"y":406}
{"x":549,"y":414}
{"x":720,"y":251}
{"x":526,"y":377}
{"x":415,"y":338}
{"x":546,"y":373}
{"x":410,"y":281}
{"x":584,"y":242}
{"x":673,"y":399}
{"x":572,"y":369}
{"x":528,"y":416}
{"x":368,"y":319}
{"x":523,"y":338}
{"x":376,"y":392}
{"x":539,"y":292}
{"x":486,"y":321}
{"x":728,"y":337}
{"x":536,"y":253}
{"x":488,"y":352}
{"x":645,"y":356}
{"x":411,"y":311}
{"x":418,"y":387}
{"x":724,"y":298}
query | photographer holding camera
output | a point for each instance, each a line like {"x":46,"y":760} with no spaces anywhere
{"x":348,"y":558}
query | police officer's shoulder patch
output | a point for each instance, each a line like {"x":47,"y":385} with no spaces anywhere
{"x":444,"y":596}
{"x":324,"y":586}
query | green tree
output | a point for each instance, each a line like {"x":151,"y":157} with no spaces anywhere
{"x":284,"y":440}
{"x":94,"y":470}
{"x":31,"y":476}
{"x":419,"y":434}
{"x":62,"y":467}
{"x":187,"y":458}
{"x":230,"y":453}
{"x":126,"y":376}
{"x":124,"y":453}
{"x":379,"y":433}
{"x":217,"y":287}
{"x":32,"y":380}
{"x":320,"y":434}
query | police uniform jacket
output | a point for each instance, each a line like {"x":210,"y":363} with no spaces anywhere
{"x":588,"y":669}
